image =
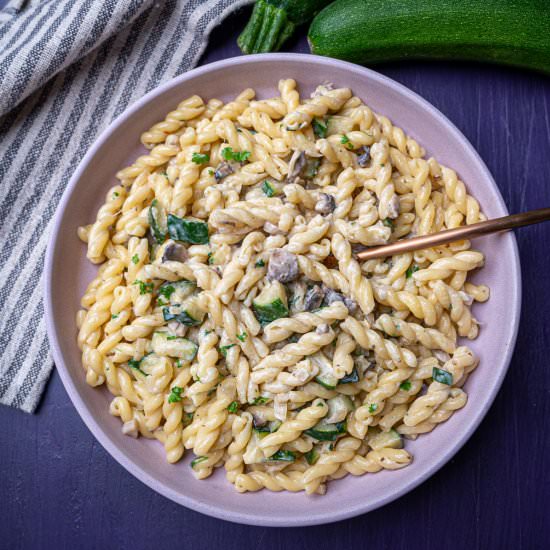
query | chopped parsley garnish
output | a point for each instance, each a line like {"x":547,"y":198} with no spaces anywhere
{"x":223,"y":349}
{"x":388,"y":222}
{"x":412,"y":269}
{"x":187,"y":419}
{"x":115,"y":194}
{"x":171,"y":337}
{"x":135,"y":259}
{"x":237,"y":156}
{"x":233,"y":407}
{"x":175,"y":395}
{"x":135,"y":364}
{"x":405,"y":386}
{"x":166,"y":291}
{"x":260,"y":400}
{"x":373,"y":407}
{"x":211,"y":258}
{"x":200,"y":158}
{"x":144,"y":288}
{"x":344,"y":140}
{"x":114,"y":316}
{"x":198,"y":460}
{"x":260,"y":263}
{"x":211,"y":172}
{"x":442,"y":376}
{"x":164,"y":173}
{"x":242,"y":336}
{"x":320,"y":129}
{"x":161,"y":302}
{"x":179,"y":363}
{"x":268,"y":189}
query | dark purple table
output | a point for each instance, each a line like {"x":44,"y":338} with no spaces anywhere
{"x":60,"y":489}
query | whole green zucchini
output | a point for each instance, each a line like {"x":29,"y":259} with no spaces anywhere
{"x":273,"y":21}
{"x":514,"y":32}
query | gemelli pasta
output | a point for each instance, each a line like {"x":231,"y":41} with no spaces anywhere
{"x":229,"y":316}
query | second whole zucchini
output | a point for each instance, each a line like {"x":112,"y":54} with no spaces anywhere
{"x":513,"y":32}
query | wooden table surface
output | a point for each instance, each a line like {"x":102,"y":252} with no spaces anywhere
{"x":59,"y":489}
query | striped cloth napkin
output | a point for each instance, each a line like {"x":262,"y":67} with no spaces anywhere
{"x":67,"y":69}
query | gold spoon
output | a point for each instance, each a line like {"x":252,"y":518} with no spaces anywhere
{"x":459,"y":233}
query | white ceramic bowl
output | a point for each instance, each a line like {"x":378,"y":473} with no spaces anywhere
{"x":68,"y":272}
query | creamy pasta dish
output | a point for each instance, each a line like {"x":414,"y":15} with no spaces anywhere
{"x":230,"y":317}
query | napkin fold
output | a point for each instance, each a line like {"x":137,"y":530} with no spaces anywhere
{"x":67,"y":69}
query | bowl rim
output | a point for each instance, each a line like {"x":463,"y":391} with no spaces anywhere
{"x":94,"y":426}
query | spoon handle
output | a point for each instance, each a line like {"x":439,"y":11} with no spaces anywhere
{"x":457,"y":234}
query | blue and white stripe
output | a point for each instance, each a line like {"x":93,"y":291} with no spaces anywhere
{"x":67,"y":69}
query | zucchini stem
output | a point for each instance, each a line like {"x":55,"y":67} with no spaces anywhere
{"x":267,"y":29}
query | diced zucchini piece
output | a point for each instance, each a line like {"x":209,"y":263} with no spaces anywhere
{"x":442,"y":376}
{"x":271,"y":303}
{"x":312,"y":457}
{"x":174,"y":346}
{"x":188,"y":313}
{"x":323,"y":431}
{"x":350,"y":378}
{"x":338,"y":409}
{"x":187,"y":230}
{"x":267,"y":428}
{"x":281,"y":456}
{"x":326,"y":376}
{"x":383,"y":440}
{"x":158,"y":222}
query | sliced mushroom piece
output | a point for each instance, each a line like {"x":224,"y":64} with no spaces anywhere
{"x":332,"y":296}
{"x":283,"y":266}
{"x":326,"y":204}
{"x":296,"y":165}
{"x":174,"y":252}
{"x":314,"y":298}
{"x":394,"y":207}
{"x":364,"y":156}
{"x":322,"y":329}
{"x":223,"y":170}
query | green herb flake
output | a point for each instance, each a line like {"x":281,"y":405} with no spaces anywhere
{"x":166,"y":291}
{"x":442,"y":376}
{"x":373,"y":407}
{"x":233,"y":407}
{"x":237,"y":156}
{"x":259,"y":263}
{"x":114,"y":316}
{"x":171,"y":337}
{"x":144,"y":288}
{"x":175,"y":395}
{"x":161,"y":302}
{"x":187,"y":419}
{"x":179,"y":363}
{"x":136,"y":365}
{"x":268,"y":189}
{"x":211,"y":172}
{"x":242,"y":336}
{"x":210,"y":258}
{"x":260,"y":400}
{"x":412,"y":269}
{"x":388,"y":222}
{"x":344,"y":140}
{"x":200,"y":158}
{"x":223,"y":349}
{"x":198,"y":460}
{"x":115,"y":194}
{"x":320,"y":129}
{"x":405,"y":386}
{"x":135,"y":259}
